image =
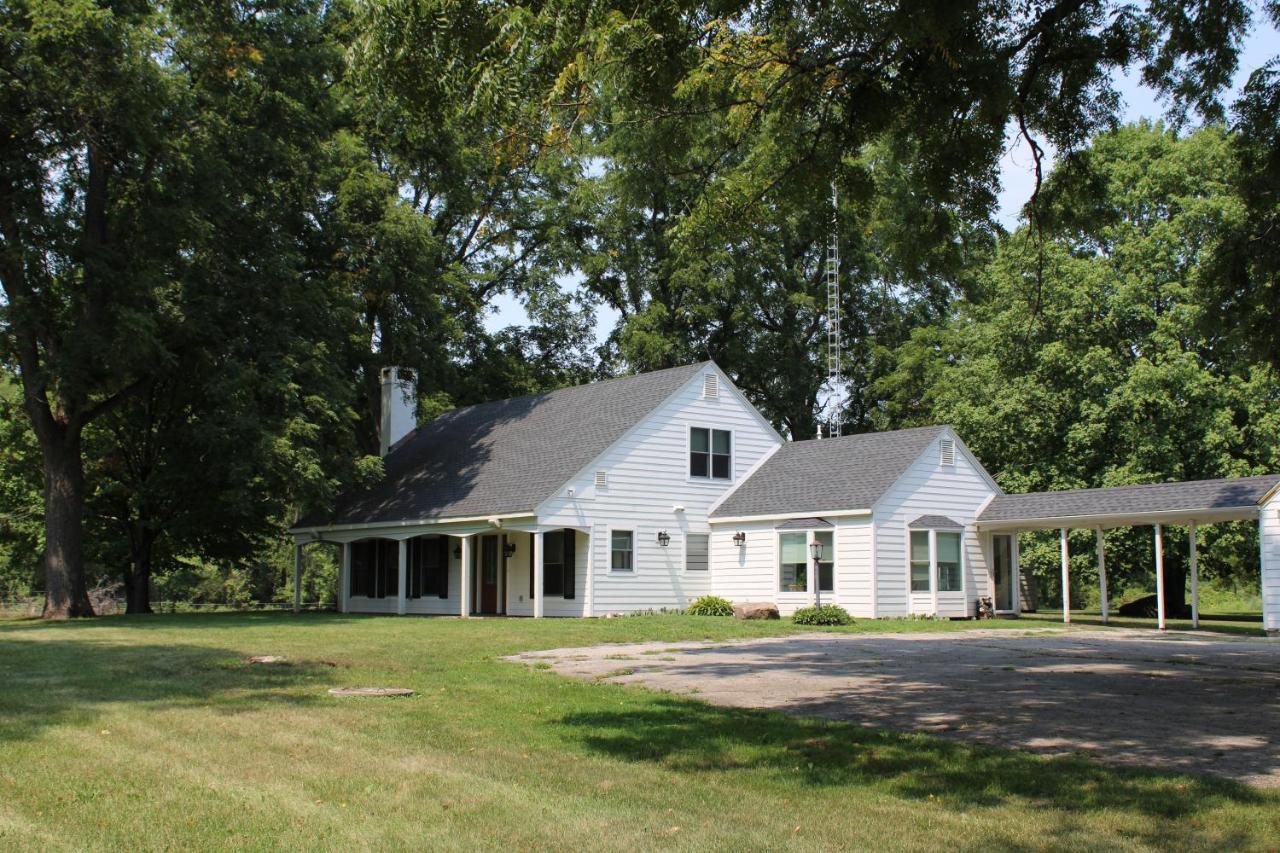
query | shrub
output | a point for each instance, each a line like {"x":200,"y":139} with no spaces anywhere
{"x":827,"y":614}
{"x":711,"y":605}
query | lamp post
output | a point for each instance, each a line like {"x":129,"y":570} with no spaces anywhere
{"x":815,"y":548}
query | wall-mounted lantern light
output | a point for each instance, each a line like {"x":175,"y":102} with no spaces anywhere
{"x":509,"y":550}
{"x":739,"y":539}
{"x":664,"y":538}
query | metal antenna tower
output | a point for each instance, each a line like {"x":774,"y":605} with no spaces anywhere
{"x":835,"y":373}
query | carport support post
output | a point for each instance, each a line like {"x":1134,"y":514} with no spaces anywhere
{"x":464,"y":573}
{"x":402,"y":594}
{"x":537,"y":575}
{"x":344,"y":578}
{"x":1102,"y":572}
{"x":297,"y":577}
{"x":1195,"y":579}
{"x":1159,"y":579}
{"x":1066,"y":578}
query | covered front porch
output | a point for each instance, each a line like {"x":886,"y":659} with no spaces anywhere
{"x":1158,"y":506}
{"x":499,"y":567}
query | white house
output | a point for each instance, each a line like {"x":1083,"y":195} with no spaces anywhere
{"x":650,"y":491}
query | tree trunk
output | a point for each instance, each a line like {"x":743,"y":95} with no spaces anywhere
{"x":137,"y":583}
{"x":65,"y":592}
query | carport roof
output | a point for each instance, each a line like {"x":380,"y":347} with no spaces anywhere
{"x":1195,"y":500}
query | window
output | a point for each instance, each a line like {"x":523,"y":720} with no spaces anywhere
{"x":793,"y":562}
{"x":621,"y":551}
{"x":826,"y":563}
{"x":428,"y":567}
{"x":920,"y":561}
{"x":948,"y":559}
{"x":375,"y":568}
{"x":710,"y":452}
{"x":794,"y":559}
{"x":559,"y":560}
{"x":696,"y":548}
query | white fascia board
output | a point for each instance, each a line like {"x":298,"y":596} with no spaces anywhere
{"x":312,"y":534}
{"x":974,"y":461}
{"x":787,"y":516}
{"x":1121,"y":519}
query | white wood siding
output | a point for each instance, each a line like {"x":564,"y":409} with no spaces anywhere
{"x":751,"y":572}
{"x":1269,"y":541}
{"x":520,"y":566}
{"x":648,"y":476}
{"x":929,"y":488}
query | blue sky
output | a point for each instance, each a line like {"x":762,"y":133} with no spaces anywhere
{"x":1017,"y":176}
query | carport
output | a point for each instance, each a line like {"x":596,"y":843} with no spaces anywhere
{"x":1159,"y":505}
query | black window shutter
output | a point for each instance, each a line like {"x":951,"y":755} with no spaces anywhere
{"x":570,"y":562}
{"x":442,"y":566}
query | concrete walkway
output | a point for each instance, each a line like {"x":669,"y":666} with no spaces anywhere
{"x":1188,"y":702}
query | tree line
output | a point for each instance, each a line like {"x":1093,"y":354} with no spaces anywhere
{"x":221,"y":218}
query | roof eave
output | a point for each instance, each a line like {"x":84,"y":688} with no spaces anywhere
{"x":1205,"y":515}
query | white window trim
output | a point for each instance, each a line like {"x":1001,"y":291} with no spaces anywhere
{"x":933,"y":591}
{"x":808,"y":543}
{"x":635,"y":548}
{"x":688,"y":450}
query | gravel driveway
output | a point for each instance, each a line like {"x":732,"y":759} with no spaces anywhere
{"x":1188,"y":702}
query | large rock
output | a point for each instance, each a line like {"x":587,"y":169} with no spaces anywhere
{"x":756,"y":610}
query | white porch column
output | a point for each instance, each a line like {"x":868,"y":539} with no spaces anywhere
{"x":1159,"y":579}
{"x":464,"y":575}
{"x":589,"y":606}
{"x":344,"y":578}
{"x":1066,"y":577}
{"x":1102,"y":573}
{"x":402,"y":591}
{"x":1195,"y":579}
{"x":537,"y":575}
{"x":297,"y":577}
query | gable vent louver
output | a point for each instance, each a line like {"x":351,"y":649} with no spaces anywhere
{"x":710,"y":386}
{"x":948,"y":451}
{"x":602,"y":478}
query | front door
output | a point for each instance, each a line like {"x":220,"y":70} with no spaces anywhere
{"x":1002,"y":563}
{"x":489,"y":574}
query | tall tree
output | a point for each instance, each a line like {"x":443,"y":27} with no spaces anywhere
{"x":138,"y":135}
{"x":1084,"y":361}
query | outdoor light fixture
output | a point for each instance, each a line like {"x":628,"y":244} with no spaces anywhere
{"x":739,"y":539}
{"x":815,"y":548}
{"x":509,"y":550}
{"x":457,"y":550}
{"x":664,"y":539}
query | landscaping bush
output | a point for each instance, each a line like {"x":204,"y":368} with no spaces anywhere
{"x":711,"y":605}
{"x":827,"y":614}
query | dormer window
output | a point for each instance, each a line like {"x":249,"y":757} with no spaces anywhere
{"x":710,"y":453}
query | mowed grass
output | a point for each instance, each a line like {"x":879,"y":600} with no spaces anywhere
{"x":1247,"y":624}
{"x":154,"y":733}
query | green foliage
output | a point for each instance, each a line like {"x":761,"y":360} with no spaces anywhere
{"x":710,"y":605}
{"x":827,"y":614}
{"x":1085,"y":360}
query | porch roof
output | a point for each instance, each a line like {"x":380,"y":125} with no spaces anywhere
{"x":1206,"y":501}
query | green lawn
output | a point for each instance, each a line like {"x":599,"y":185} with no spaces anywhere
{"x":153,"y":733}
{"x":1243,"y":624}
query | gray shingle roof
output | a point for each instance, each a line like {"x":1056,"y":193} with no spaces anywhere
{"x":1188,"y":496}
{"x":936,"y":522}
{"x":506,"y":456}
{"x":804,"y":524}
{"x":851,"y":472}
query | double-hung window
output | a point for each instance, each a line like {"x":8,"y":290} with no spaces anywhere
{"x":710,"y":453}
{"x":940,"y":565}
{"x":795,"y":561}
{"x":622,"y":551}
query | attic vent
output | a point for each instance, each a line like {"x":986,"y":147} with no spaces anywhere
{"x":602,"y":478}
{"x":710,"y":386}
{"x":948,"y":447}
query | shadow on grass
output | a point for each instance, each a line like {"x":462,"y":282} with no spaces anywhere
{"x":70,"y":681}
{"x":692,"y":737}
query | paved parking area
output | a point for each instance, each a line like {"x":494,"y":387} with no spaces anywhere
{"x":1189,"y":702}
